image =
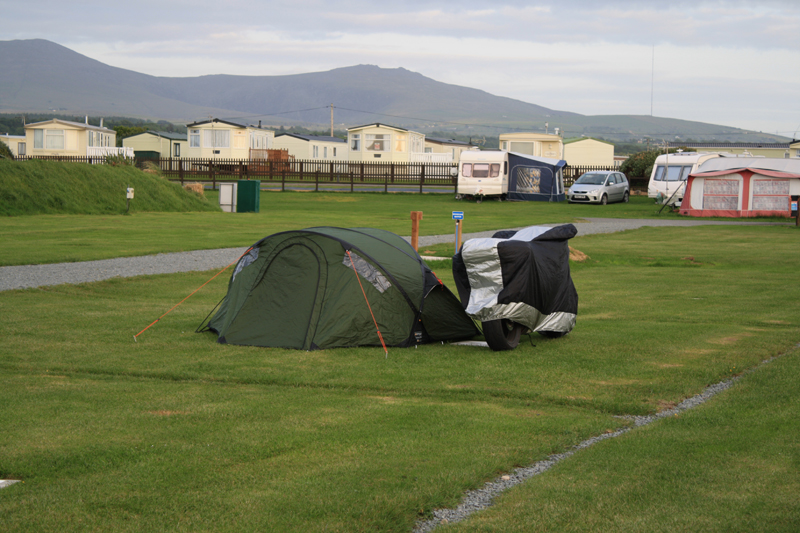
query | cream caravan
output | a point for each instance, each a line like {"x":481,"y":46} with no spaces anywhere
{"x":483,"y":173}
{"x":670,"y":171}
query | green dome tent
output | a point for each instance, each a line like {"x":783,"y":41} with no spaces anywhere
{"x":302,"y":289}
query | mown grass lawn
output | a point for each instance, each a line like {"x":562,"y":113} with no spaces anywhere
{"x":732,"y":464}
{"x":180,"y":433}
{"x":65,"y":238}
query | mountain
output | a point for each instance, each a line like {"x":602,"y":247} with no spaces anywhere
{"x":42,"y":76}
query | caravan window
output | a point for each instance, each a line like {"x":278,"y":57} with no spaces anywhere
{"x":466,"y":170}
{"x":495,"y":170}
{"x":377,"y":142}
{"x":481,"y":170}
{"x":675,"y":173}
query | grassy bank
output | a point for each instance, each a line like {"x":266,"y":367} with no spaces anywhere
{"x":49,"y":187}
{"x":178,"y":432}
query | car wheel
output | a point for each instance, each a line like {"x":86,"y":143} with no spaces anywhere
{"x":604,"y":200}
{"x":501,"y":334}
{"x":625,"y":197}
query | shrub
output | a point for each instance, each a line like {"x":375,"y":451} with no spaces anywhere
{"x":641,"y":165}
{"x":150,"y":167}
{"x":5,"y":151}
{"x":196,"y":188}
{"x":119,"y":161}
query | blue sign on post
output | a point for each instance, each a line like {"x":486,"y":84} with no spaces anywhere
{"x":458,"y":216}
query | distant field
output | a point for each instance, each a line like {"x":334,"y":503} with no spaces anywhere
{"x":62,"y":238}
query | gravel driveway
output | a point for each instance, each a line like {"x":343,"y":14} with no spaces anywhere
{"x":27,"y":276}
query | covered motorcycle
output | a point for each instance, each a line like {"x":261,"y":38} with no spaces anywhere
{"x":518,"y":281}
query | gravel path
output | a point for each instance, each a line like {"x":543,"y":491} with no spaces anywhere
{"x":27,"y":276}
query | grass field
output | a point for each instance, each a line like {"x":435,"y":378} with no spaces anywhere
{"x":177,"y":432}
{"x":65,"y":238}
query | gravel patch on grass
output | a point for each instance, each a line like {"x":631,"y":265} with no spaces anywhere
{"x":29,"y":276}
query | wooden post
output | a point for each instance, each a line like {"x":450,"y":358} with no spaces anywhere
{"x":421,"y":178}
{"x":458,"y":233}
{"x":416,"y":216}
{"x":316,"y":180}
{"x":351,"y":180}
{"x":301,"y":171}
{"x":797,"y":216}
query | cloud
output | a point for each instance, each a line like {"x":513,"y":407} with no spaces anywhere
{"x":719,"y":61}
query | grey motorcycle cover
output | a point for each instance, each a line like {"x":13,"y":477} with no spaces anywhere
{"x":521,"y":276}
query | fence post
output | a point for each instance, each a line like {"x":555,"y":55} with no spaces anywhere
{"x":301,"y":171}
{"x":316,"y":180}
{"x":351,"y":179}
{"x":421,"y":177}
{"x":283,"y":178}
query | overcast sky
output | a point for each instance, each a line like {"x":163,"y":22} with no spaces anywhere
{"x":724,"y":62}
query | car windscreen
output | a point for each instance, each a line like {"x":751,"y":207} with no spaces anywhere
{"x":591,"y":179}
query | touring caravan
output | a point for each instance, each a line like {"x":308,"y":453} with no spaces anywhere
{"x":670,"y":172}
{"x":510,"y":175}
{"x":482,"y":173}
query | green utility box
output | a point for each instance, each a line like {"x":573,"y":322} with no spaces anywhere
{"x":248,"y":196}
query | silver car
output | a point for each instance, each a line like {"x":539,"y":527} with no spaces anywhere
{"x":600,"y":187}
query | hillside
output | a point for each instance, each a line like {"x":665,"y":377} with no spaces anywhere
{"x":40,"y":75}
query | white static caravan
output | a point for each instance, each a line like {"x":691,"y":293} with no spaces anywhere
{"x":665,"y":183}
{"x":483,"y":174}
